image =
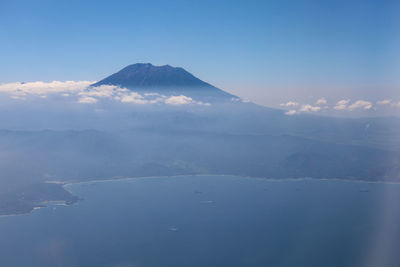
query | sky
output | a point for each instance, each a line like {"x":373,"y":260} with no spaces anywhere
{"x":270,"y":52}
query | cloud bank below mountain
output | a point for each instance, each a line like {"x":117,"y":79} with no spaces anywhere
{"x":82,"y":92}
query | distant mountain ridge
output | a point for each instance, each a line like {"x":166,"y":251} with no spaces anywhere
{"x":147,"y":77}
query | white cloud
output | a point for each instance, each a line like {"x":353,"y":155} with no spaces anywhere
{"x":157,"y":100}
{"x":101,"y":91}
{"x":360,"y":104}
{"x":178,"y":100}
{"x":289,"y":104}
{"x":152,"y":94}
{"x":342,"y":104}
{"x":43,"y":88}
{"x":384,"y":102}
{"x":309,"y":108}
{"x":203,"y":103}
{"x":126,"y":96}
{"x":321,"y":101}
{"x":82,"y":92}
{"x":291,"y":112}
{"x":87,"y":100}
{"x":133,"y":97}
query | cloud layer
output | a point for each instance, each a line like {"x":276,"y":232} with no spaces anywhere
{"x":81,"y":92}
{"x":21,"y":90}
{"x":343,"y":105}
{"x":360,"y":104}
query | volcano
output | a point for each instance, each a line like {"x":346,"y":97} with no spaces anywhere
{"x":145,"y":77}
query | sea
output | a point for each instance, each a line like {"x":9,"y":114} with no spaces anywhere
{"x":211,"y":221}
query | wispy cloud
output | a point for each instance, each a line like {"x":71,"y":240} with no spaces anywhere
{"x":103,"y":91}
{"x":290,"y":104}
{"x":291,"y":112}
{"x":384,"y":102}
{"x":342,"y":104}
{"x":87,"y":100}
{"x":133,"y":97}
{"x":388,"y":102}
{"x":309,"y":108}
{"x":321,"y":105}
{"x":303,"y":109}
{"x":178,"y":100}
{"x":345,"y":104}
{"x":321,"y":101}
{"x":360,"y":104}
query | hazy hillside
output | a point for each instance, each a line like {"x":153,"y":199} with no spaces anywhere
{"x":176,"y":132}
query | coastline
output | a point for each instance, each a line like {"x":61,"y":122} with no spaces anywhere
{"x":66,"y":184}
{"x":268,"y":179}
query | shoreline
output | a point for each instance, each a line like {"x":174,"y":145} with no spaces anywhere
{"x":267,"y":179}
{"x":66,"y":184}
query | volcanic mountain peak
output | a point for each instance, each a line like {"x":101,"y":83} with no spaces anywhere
{"x":165,"y":80}
{"x":148,"y":75}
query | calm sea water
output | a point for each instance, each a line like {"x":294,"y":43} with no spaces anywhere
{"x":211,"y":221}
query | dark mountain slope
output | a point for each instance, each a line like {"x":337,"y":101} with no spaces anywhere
{"x":163,"y":79}
{"x":148,"y":75}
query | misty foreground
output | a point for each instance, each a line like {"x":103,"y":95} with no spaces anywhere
{"x":211,"y":221}
{"x":162,"y":121}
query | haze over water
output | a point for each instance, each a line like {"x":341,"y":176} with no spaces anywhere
{"x":210,"y":221}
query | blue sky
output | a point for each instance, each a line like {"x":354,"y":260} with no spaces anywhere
{"x":268,"y":51}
